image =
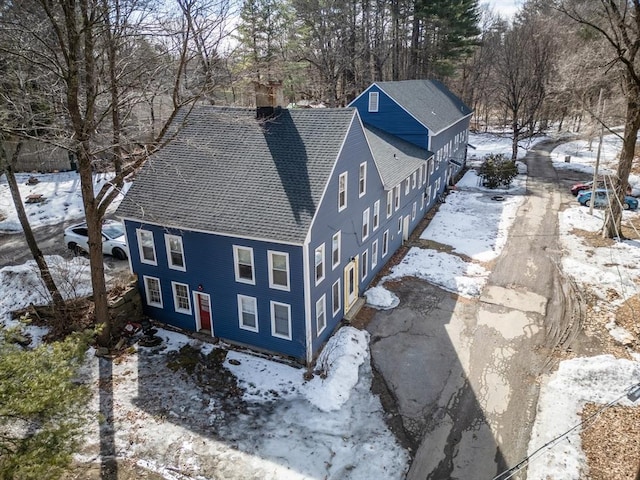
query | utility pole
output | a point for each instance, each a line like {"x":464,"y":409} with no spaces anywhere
{"x":595,"y":170}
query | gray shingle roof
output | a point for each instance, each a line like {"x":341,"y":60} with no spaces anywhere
{"x":395,"y":158}
{"x":226,"y":172}
{"x":429,"y":101}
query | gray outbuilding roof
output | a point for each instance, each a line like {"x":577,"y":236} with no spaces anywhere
{"x":429,"y":101}
{"x":227,"y":172}
{"x":395,"y":158}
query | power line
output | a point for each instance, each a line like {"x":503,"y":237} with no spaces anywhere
{"x":632,"y":392}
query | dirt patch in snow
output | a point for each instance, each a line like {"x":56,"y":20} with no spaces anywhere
{"x":612,"y":442}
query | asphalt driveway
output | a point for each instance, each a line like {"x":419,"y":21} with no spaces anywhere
{"x":464,"y":372}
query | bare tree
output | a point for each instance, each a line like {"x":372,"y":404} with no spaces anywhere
{"x":523,"y":66}
{"x":618,"y":22}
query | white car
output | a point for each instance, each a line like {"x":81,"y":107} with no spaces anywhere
{"x":114,"y":241}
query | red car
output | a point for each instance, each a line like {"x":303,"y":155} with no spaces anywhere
{"x":579,"y":187}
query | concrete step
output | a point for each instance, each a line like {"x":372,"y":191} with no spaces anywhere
{"x":355,"y":308}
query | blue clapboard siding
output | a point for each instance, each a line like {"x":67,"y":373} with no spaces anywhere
{"x":210,"y":264}
{"x":392,"y":118}
{"x":349,"y":222}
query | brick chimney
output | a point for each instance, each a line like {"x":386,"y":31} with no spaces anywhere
{"x":269,"y":98}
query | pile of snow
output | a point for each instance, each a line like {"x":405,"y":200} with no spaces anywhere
{"x":381,"y":298}
{"x":601,"y":380}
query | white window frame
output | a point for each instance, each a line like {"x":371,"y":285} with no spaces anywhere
{"x":389,"y":203}
{"x":140,"y":232}
{"x":374,"y":102}
{"x":241,"y":323}
{"x":273,"y":320}
{"x":320,"y":263}
{"x":420,"y":175}
{"x":167,"y":243}
{"x":385,"y":243}
{"x":365,"y":263}
{"x":174,"y":289}
{"x":431,"y":165}
{"x":365,"y":224}
{"x":336,"y":296}
{"x":407,"y":186}
{"x":321,"y":308}
{"x":396,"y":197}
{"x":272,"y":283}
{"x":414,"y":180}
{"x":236,"y":265}
{"x":342,"y":190}
{"x":414,"y":210}
{"x":147,"y":291}
{"x":424,"y":174}
{"x":376,"y":215}
{"x":362,"y":180}
{"x":400,"y":224}
{"x":422,"y":202}
{"x":336,"y":249}
{"x":374,"y":254}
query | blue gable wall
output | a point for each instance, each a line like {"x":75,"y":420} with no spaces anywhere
{"x":349,"y":222}
{"x":392,"y":118}
{"x":210,"y":269}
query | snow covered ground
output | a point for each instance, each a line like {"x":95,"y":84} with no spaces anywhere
{"x":334,"y":427}
{"x":62,"y":199}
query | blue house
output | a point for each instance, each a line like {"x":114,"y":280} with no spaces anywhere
{"x":263,"y":228}
{"x":426,"y":114}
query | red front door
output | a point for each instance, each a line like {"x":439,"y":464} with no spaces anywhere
{"x":203,"y":304}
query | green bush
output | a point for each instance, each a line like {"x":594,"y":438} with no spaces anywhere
{"x":40,"y":407}
{"x":497,"y":171}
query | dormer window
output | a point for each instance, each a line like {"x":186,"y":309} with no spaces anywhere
{"x":373,"y":101}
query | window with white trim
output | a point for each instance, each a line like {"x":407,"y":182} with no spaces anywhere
{"x":278,"y":270}
{"x":374,"y":98}
{"x":414,"y":210}
{"x":400,"y":224}
{"x":152,"y":291}
{"x":365,"y":224}
{"x":181,"y":297}
{"x":319,"y":264}
{"x":336,"y":296}
{"x":389,"y":203}
{"x":321,"y":314}
{"x":407,"y":185}
{"x":281,"y":320}
{"x":146,"y":247}
{"x":431,"y":166}
{"x":420,"y":175}
{"x":414,"y":176}
{"x":336,"y":240}
{"x":385,"y":243}
{"x":396,"y":197}
{"x":243,"y":263}
{"x":175,"y":252}
{"x":424,"y":174}
{"x":365,"y":263}
{"x":422,"y":202}
{"x":248,"y":313}
{"x":342,"y":191}
{"x":429,"y":192}
{"x":362,"y":179}
{"x":374,"y":254}
{"x":376,"y":215}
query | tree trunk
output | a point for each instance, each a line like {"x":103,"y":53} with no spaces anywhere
{"x":514,"y":144}
{"x":58,"y":302}
{"x":611,"y":228}
{"x":94,"y":227}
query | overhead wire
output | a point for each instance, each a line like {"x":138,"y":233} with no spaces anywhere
{"x":554,"y":441}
